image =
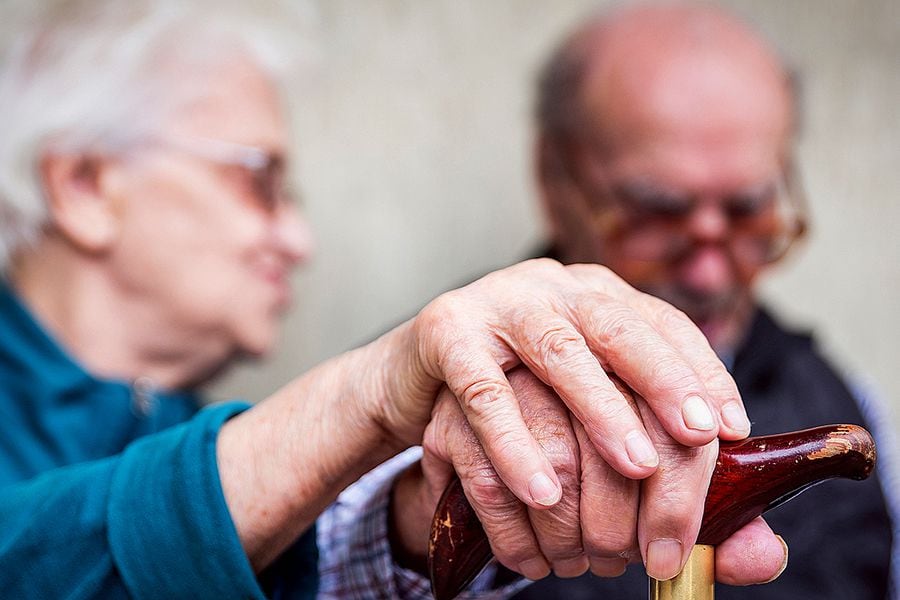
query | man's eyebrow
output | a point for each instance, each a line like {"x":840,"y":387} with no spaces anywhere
{"x":646,"y":187}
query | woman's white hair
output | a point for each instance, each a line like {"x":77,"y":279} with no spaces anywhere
{"x":89,"y":76}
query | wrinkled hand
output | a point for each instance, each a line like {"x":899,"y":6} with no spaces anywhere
{"x":566,"y":324}
{"x":604,"y":520}
{"x":569,"y":326}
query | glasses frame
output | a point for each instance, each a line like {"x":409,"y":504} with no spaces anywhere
{"x":256,"y":161}
{"x":790,"y":190}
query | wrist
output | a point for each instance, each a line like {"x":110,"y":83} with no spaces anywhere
{"x":404,"y":390}
{"x":282,"y":462}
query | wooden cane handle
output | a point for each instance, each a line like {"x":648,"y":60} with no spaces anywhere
{"x":751,"y":476}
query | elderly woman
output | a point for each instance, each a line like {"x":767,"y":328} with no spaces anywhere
{"x":146,"y":241}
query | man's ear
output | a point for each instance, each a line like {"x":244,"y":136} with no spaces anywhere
{"x":548,"y":162}
{"x":554,"y":183}
{"x":81,"y":208}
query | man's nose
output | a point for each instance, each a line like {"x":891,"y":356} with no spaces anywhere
{"x":293,"y":234}
{"x":708,"y":268}
{"x":708,"y":222}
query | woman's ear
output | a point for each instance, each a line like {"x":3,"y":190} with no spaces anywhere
{"x":82,"y":209}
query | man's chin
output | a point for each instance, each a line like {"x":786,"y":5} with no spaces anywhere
{"x":720,"y":317}
{"x":712,"y":328}
{"x":722,"y":333}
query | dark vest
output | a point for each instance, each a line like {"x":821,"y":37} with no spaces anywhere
{"x":839,"y":533}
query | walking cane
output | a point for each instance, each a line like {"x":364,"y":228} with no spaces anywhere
{"x":750,"y":477}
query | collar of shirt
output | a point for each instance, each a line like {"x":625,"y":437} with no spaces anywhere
{"x":54,"y":412}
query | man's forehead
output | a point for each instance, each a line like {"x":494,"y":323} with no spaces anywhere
{"x":699,"y":169}
{"x":648,"y":78}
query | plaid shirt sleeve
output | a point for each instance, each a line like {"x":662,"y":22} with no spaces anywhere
{"x":355,"y":555}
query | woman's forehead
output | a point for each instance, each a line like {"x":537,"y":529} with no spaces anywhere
{"x":231,"y":100}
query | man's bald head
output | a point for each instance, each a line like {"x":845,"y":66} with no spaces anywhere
{"x":664,"y":153}
{"x":660,"y":53}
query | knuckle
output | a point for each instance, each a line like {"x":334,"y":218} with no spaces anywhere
{"x":488,"y":492}
{"x":535,"y":269}
{"x":559,"y":448}
{"x":563,"y":458}
{"x":504,"y":520}
{"x":527,"y":385}
{"x":612,"y":411}
{"x":595,"y":469}
{"x":565,"y":553}
{"x":594,"y":270}
{"x":615,"y":323}
{"x":609,"y":542}
{"x":720,"y":384}
{"x":508,"y":449}
{"x":482,"y":398}
{"x":670,"y":317}
{"x":571,"y":567}
{"x":512,"y":550}
{"x":432,"y":441}
{"x":672,"y":373}
{"x":559,"y":532}
{"x":511,"y":538}
{"x":441,"y":311}
{"x":559,"y":345}
{"x":544,"y":265}
{"x":675,"y":507}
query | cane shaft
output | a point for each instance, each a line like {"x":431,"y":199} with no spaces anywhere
{"x":696,"y":580}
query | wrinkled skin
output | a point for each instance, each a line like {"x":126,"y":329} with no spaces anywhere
{"x":604,"y":520}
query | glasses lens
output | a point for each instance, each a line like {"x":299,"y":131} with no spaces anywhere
{"x":650,"y":225}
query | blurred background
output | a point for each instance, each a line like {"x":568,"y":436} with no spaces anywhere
{"x":414,"y":143}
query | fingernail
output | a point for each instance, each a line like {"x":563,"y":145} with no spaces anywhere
{"x":570,"y":567}
{"x":608,"y":567}
{"x":735,"y":418}
{"x":663,"y":558}
{"x":534,"y":568}
{"x":784,"y":564}
{"x":543,"y":490}
{"x":696,"y":414}
{"x":640,"y":451}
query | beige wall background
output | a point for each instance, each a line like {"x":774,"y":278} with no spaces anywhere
{"x":414,"y":144}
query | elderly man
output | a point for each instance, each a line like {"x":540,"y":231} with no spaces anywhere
{"x":147,"y":240}
{"x":665,"y":154}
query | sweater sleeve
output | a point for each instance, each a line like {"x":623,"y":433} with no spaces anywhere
{"x":150,"y":522}
{"x":356,"y":560}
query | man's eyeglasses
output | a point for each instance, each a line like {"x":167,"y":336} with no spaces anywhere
{"x":650,"y":223}
{"x":265,"y":171}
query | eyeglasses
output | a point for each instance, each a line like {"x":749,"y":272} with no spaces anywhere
{"x":650,"y":223}
{"x":266,"y":171}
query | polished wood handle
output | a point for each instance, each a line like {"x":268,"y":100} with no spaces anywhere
{"x":751,"y":476}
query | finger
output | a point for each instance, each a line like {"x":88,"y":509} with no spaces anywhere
{"x":635,"y":351}
{"x":471,"y":363}
{"x":608,"y":511}
{"x":557,"y":353}
{"x":753,"y":554}
{"x":436,"y":461}
{"x":672,"y":500}
{"x":632,"y":346}
{"x":557,"y":529}
{"x":687,"y":338}
{"x":678,"y":329}
{"x":449,"y":440}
